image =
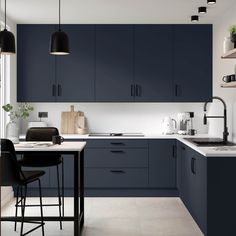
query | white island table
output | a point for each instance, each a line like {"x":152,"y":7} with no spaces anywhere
{"x":77,"y":150}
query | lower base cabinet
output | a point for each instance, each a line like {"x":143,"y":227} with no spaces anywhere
{"x":193,"y":184}
{"x":162,"y":164}
{"x":116,"y":177}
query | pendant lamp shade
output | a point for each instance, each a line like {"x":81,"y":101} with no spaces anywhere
{"x":59,"y":43}
{"x":7,"y":38}
{"x":7,"y":42}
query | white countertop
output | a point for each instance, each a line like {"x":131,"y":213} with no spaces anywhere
{"x":205,"y":151}
{"x":49,"y":147}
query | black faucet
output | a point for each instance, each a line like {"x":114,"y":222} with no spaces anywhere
{"x":225,"y":133}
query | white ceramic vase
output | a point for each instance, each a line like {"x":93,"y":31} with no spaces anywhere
{"x":13,"y":131}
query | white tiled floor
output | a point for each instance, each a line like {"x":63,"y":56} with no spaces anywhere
{"x":117,"y":217}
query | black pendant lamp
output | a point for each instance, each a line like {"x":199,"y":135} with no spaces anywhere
{"x":7,"y":38}
{"x":59,"y":44}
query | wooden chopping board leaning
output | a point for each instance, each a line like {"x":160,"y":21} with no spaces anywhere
{"x":73,"y":122}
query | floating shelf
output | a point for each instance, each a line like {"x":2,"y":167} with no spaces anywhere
{"x":229,"y":85}
{"x":230,"y":54}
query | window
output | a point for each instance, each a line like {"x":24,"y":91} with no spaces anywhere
{"x":4,"y":91}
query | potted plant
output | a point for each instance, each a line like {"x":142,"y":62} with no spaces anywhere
{"x":232,"y":31}
{"x":22,"y":112}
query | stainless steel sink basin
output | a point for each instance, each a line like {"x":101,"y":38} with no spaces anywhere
{"x":209,"y":142}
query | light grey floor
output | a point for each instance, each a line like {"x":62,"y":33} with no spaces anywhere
{"x":117,"y":217}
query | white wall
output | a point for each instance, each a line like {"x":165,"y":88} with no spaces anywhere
{"x":223,"y":67}
{"x":121,"y":117}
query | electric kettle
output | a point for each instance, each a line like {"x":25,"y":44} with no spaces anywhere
{"x":168,"y":125}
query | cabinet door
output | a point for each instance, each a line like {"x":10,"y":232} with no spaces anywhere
{"x":153,"y":63}
{"x":199,"y":190}
{"x":162,"y":164}
{"x":185,"y":192}
{"x":193,"y":63}
{"x":35,"y":66}
{"x":76,"y":71}
{"x":114,"y":63}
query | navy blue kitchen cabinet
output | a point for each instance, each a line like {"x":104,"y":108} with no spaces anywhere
{"x":114,"y":63}
{"x":193,"y":184}
{"x":46,"y":78}
{"x":35,"y":67}
{"x":192,"y":63}
{"x":153,"y":63}
{"x":75,"y":72}
{"x":116,"y":164}
{"x":162,"y":163}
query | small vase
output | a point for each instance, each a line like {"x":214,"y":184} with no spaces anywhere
{"x":228,"y":45}
{"x":13,"y":132}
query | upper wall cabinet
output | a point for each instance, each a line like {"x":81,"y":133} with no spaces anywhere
{"x":114,"y":63}
{"x":42,"y":77}
{"x":35,"y":67}
{"x":193,"y":63}
{"x":75,"y":72}
{"x":153,"y":63}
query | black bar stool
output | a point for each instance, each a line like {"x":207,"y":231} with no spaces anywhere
{"x":37,"y":160}
{"x":12,"y":175}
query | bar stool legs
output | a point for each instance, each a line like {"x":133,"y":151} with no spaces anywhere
{"x":59,"y":196}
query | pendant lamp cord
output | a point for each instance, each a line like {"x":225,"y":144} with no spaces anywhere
{"x":59,"y":15}
{"x":5,"y":14}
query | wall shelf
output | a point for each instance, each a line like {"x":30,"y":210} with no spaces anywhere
{"x":229,"y":85}
{"x":230,"y":54}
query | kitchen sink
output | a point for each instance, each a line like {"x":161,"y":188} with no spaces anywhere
{"x":209,"y":142}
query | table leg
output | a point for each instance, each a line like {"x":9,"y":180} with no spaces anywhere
{"x":76,"y":194}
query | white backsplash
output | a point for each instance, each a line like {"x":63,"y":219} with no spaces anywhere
{"x":120,"y":117}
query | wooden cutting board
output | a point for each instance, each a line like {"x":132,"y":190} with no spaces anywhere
{"x":69,"y":120}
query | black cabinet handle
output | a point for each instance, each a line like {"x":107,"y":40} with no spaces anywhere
{"x":59,"y":90}
{"x":117,"y":143}
{"x":132,"y":90}
{"x":182,"y":147}
{"x":178,"y":90}
{"x":117,"y":171}
{"x":53,"y":90}
{"x":174,"y":150}
{"x":193,"y":161}
{"x":138,"y":90}
{"x":117,"y":151}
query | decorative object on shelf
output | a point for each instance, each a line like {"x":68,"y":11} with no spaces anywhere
{"x":227,"y":45}
{"x":202,"y":10}
{"x":232,"y":31}
{"x":229,"y":78}
{"x":22,"y":112}
{"x":73,"y":122}
{"x":195,"y":18}
{"x":211,"y":2}
{"x":7,"y":38}
{"x":59,"y":44}
{"x":229,"y":85}
{"x":230,"y":54}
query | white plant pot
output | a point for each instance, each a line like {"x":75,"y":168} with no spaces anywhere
{"x":13,"y":132}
